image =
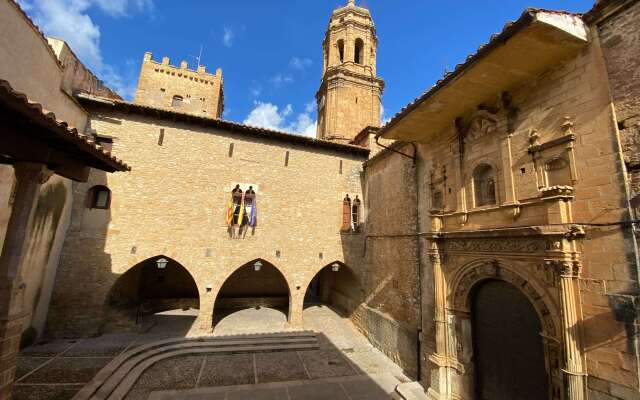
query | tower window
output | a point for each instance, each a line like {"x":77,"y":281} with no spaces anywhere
{"x":341,"y":50}
{"x":286,"y":159}
{"x":359,"y":51}
{"x":176,"y":101}
{"x":161,"y":137}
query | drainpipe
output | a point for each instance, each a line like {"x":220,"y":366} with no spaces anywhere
{"x":419,"y":261}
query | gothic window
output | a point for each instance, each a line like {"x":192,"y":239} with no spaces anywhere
{"x":355,"y":214}
{"x":484,"y":185}
{"x":359,"y":51}
{"x":176,"y":102}
{"x":341,"y":50}
{"x":99,"y":197}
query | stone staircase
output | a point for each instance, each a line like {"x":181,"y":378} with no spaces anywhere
{"x":115,"y":380}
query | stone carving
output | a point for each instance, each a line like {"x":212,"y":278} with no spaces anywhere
{"x":495,"y":245}
{"x":481,"y":125}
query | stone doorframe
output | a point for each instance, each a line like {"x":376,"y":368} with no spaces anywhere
{"x":558,"y":318}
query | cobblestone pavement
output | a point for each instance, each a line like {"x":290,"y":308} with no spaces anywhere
{"x":58,"y":369}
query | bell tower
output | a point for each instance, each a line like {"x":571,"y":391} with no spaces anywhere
{"x":350,"y":92}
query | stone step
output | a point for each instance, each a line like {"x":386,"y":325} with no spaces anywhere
{"x":119,"y":372}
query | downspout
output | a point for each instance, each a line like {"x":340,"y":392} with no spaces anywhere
{"x":419,"y":262}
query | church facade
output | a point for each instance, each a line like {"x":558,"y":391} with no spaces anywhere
{"x":484,"y":239}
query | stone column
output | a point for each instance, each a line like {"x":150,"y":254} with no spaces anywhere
{"x":296,"y":306}
{"x":29,"y":178}
{"x":445,"y":355}
{"x":574,"y":363}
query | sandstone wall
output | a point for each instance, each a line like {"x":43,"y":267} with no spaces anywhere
{"x":390,"y":315}
{"x":174,"y":201}
{"x":620,"y":41}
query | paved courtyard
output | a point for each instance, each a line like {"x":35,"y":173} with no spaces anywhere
{"x":344,"y":362}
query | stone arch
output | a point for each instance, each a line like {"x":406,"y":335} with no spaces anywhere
{"x":467,"y":279}
{"x":335,"y":284}
{"x":255,"y":284}
{"x":472,"y":274}
{"x":151,"y":287}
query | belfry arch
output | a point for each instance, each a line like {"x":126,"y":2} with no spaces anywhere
{"x":257,"y":284}
{"x":336,"y":285}
{"x":154,"y":285}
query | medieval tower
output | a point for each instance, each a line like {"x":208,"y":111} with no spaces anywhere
{"x":349,"y":95}
{"x":180,"y":89}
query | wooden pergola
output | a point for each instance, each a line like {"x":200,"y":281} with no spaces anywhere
{"x":37,"y":145}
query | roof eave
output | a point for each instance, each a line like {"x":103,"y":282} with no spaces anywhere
{"x":537,"y":41}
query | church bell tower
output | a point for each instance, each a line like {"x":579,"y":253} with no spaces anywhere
{"x":350,"y":92}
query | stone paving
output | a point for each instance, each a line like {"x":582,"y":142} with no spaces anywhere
{"x":57,"y":370}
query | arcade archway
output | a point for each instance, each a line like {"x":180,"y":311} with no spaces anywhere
{"x":254,"y":298}
{"x":335,"y":285}
{"x":154,"y":286}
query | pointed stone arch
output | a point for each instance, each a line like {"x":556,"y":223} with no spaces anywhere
{"x":335,"y":284}
{"x":255,"y":284}
{"x":151,"y":287}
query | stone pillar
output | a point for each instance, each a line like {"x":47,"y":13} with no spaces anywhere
{"x":296,"y":306}
{"x":574,"y":363}
{"x":29,"y":178}
{"x":445,"y":356}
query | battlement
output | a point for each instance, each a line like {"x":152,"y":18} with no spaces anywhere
{"x":183,"y":70}
{"x":194,"y":91}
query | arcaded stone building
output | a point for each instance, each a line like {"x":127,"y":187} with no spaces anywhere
{"x":483,"y":239}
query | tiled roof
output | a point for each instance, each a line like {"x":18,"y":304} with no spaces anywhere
{"x":200,"y":120}
{"x":59,"y":132}
{"x":496,"y":40}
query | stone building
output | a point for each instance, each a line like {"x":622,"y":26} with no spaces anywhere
{"x":483,"y":238}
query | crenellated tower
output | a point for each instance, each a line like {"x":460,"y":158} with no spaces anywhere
{"x":350,"y":92}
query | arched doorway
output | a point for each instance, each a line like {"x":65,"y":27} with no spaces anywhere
{"x":335,"y":285}
{"x":254,"y":298}
{"x":155,"y":287}
{"x":509,"y":360}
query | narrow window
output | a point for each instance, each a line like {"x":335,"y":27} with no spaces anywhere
{"x":231,"y":150}
{"x":341,"y":50}
{"x":340,"y":167}
{"x":176,"y":102}
{"x":356,"y":100}
{"x":359,"y":51}
{"x":484,"y":185}
{"x":161,"y":137}
{"x":99,"y":197}
{"x":286,"y":159}
{"x":355,"y":214}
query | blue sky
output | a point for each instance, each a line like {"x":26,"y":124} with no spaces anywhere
{"x":270,"y":50}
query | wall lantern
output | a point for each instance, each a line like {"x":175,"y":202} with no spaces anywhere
{"x":257,"y":266}
{"x":335,"y":267}
{"x":162,"y":263}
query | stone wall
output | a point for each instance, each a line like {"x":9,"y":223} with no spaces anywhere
{"x":620,"y":41}
{"x":173,"y":203}
{"x":201,"y":93}
{"x":390,"y":315}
